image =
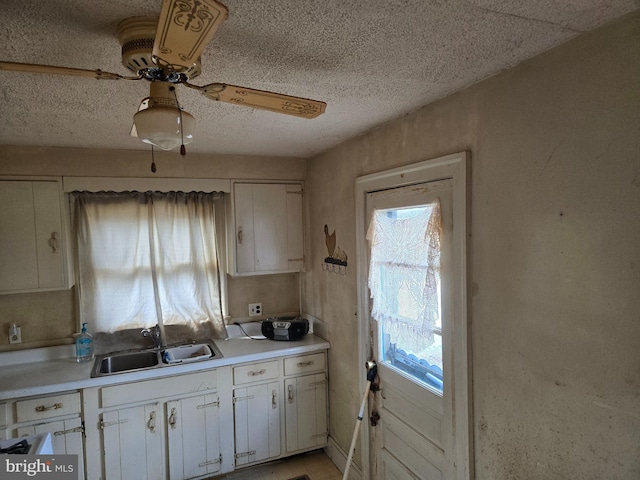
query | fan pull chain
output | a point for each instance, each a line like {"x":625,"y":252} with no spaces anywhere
{"x":183,"y":150}
{"x":153,"y":161}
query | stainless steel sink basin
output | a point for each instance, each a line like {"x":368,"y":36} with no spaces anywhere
{"x":116,"y":363}
{"x":136,"y":360}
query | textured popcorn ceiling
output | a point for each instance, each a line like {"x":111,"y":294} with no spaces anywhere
{"x":370,"y":60}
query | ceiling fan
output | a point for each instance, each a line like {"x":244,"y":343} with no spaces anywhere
{"x":166,"y":52}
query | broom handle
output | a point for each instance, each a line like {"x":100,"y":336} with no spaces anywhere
{"x":356,"y":431}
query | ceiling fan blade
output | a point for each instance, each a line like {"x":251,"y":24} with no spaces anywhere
{"x":184,"y":30}
{"x":48,"y":69}
{"x":275,"y":102}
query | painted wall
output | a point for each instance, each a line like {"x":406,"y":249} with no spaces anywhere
{"x":50,"y":318}
{"x":555,"y":256}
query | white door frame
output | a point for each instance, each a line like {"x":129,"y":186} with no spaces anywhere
{"x":457,"y":437}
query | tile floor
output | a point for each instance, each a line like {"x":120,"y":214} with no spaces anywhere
{"x":314,"y":464}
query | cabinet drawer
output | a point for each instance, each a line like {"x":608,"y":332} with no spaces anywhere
{"x":151,"y":390}
{"x":255,"y":372}
{"x":47,"y":407}
{"x":304,"y":364}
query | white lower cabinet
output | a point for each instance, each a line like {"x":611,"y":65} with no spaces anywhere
{"x":59,"y":415}
{"x":3,"y":421}
{"x":133,"y":440}
{"x":168,"y":428}
{"x":256,"y":411}
{"x":257,"y":422}
{"x":193,"y":434}
{"x":280,"y":407}
{"x":182,"y":427}
{"x":66,"y":437}
{"x":306,"y":412}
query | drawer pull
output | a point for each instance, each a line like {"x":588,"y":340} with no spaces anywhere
{"x":274,"y":399}
{"x":305,"y":364}
{"x":71,"y":430}
{"x":173,"y":418}
{"x":151,"y":424}
{"x":53,"y":242}
{"x":290,"y":393}
{"x":256,"y":373}
{"x":42,"y":408}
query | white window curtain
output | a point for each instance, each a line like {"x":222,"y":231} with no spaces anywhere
{"x":147,"y":258}
{"x":404,"y":271}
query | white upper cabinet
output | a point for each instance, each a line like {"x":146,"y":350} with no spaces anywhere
{"x":266,"y":228}
{"x":33,"y":253}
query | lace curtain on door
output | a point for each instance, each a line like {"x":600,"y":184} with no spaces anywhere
{"x":404,"y":273}
{"x":146,"y":258}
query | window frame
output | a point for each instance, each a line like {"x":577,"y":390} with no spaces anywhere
{"x":163,"y":185}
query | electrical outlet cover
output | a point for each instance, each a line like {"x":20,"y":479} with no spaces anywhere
{"x":255,"y":309}
{"x":15,"y":335}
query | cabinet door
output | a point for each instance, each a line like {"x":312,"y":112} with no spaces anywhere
{"x":270,"y":227}
{"x":306,"y":412}
{"x":66,"y":437}
{"x":295,"y":227}
{"x":133,"y":443}
{"x":49,"y":235}
{"x":18,"y":255}
{"x":33,"y":253}
{"x":257,"y":423}
{"x":244,"y":237}
{"x":194,"y":436}
{"x":269,"y":234}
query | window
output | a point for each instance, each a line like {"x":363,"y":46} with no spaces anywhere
{"x":148,"y":258}
{"x":404,"y":280}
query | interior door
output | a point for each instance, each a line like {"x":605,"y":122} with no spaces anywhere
{"x":414,"y":374}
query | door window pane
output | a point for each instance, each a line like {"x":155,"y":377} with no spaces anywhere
{"x":404,"y":281}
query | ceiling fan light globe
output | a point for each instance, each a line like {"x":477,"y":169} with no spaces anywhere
{"x":160,"y":126}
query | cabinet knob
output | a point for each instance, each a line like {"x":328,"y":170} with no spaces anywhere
{"x":274,"y":399}
{"x":173,"y":420}
{"x":239,"y":235}
{"x":53,"y":242}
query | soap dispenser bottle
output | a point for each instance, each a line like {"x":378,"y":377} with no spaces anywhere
{"x":84,"y":345}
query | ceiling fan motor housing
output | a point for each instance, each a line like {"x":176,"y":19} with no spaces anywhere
{"x":136,"y":36}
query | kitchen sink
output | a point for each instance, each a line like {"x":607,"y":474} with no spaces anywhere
{"x":136,"y":360}
{"x":117,"y":363}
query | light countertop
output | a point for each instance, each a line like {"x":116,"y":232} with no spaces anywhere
{"x":45,"y":371}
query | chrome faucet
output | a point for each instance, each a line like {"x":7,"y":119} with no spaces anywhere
{"x":155,"y":333}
